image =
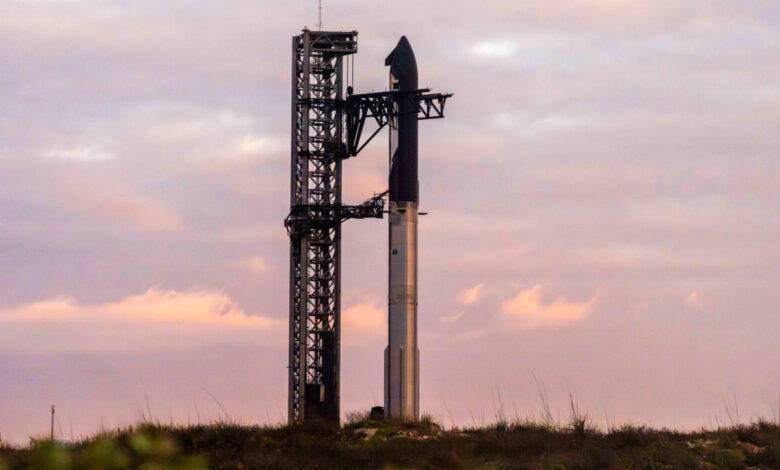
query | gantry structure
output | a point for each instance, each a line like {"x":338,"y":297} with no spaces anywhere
{"x":327,"y":128}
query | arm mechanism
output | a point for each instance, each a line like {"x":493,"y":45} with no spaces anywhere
{"x":381,"y":107}
{"x":303,"y":217}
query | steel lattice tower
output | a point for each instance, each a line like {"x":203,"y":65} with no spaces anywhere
{"x":315,"y":251}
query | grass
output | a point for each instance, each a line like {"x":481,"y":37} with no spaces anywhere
{"x":365,"y":443}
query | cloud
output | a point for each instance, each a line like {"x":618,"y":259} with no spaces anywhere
{"x":471,"y":295}
{"x":251,"y":144}
{"x":692,"y":300}
{"x":254,"y":263}
{"x":496,"y":49}
{"x":363,"y":321}
{"x":528,"y":310}
{"x":107,"y":197}
{"x":450,"y":318}
{"x":152,"y":321}
{"x":81,"y":154}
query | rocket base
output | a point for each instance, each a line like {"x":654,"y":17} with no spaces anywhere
{"x":402,"y":357}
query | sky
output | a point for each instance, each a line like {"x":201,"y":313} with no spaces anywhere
{"x":603,"y":199}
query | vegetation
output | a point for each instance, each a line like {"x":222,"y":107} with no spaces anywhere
{"x":364,"y":443}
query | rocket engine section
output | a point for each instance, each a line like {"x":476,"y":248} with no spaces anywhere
{"x":402,"y":357}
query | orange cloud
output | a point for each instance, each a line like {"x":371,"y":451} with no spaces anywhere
{"x":362,"y":321}
{"x":155,"y":306}
{"x":692,"y":300}
{"x":157,"y":319}
{"x":527,"y":309}
{"x":471,"y":295}
{"x":254,"y":263}
{"x":109,"y":198}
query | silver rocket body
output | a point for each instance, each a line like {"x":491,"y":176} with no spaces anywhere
{"x":402,"y":356}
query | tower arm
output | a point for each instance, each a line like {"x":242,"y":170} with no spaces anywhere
{"x":431,"y":105}
{"x":304,"y":217}
{"x":381,"y":107}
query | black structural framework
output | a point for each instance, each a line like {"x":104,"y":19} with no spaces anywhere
{"x":327,"y":127}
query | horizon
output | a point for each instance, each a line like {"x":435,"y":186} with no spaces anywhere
{"x":602,"y":207}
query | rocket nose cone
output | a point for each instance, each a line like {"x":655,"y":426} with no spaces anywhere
{"x":403,"y":44}
{"x":403,"y":65}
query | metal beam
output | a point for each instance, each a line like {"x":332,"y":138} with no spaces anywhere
{"x":382,"y":105}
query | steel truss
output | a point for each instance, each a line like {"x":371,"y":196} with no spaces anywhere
{"x":382,"y":105}
{"x":314,"y":222}
{"x":326,"y":129}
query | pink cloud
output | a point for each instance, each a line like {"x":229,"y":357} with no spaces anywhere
{"x":450,"y":318}
{"x":692,"y":300}
{"x":471,"y":295}
{"x":109,"y":198}
{"x":254,"y":263}
{"x":81,"y":154}
{"x":155,"y":320}
{"x":529,"y":311}
{"x":362,"y":322}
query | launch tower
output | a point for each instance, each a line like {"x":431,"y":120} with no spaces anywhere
{"x":327,"y":128}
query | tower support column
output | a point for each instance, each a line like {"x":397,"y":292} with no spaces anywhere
{"x":317,"y":149}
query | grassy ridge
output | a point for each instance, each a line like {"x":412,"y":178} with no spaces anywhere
{"x":364,"y":443}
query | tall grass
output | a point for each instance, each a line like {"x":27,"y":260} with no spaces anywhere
{"x":365,"y":442}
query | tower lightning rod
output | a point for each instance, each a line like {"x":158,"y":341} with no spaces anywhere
{"x":319,"y":15}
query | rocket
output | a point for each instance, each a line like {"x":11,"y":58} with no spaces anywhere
{"x":402,"y":357}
